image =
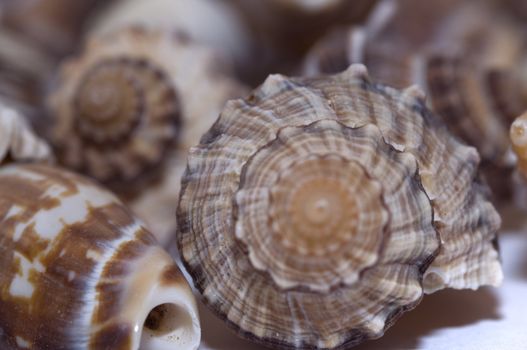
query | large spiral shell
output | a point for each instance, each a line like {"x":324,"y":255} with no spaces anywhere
{"x":318,"y":210}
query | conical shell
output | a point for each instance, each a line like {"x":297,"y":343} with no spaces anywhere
{"x":317,"y":211}
{"x":126,"y":111}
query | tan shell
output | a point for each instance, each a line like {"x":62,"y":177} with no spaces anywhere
{"x":17,"y":140}
{"x":77,"y":269}
{"x":172,"y":89}
{"x":318,"y":210}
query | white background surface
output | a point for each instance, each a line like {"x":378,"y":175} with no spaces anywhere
{"x":488,"y":318}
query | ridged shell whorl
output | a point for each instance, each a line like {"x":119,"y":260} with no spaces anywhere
{"x":78,"y":271}
{"x":115,"y":108}
{"x":315,"y":212}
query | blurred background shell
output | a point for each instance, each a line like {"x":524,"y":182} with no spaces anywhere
{"x":77,"y":269}
{"x":210,"y":23}
{"x":17,"y":140}
{"x":318,"y":210}
{"x":285,"y":29}
{"x":470,"y":61}
{"x":35,"y":36}
{"x":126,"y":110}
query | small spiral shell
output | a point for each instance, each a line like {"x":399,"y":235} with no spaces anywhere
{"x":128,"y":108}
{"x":116,"y":113}
{"x":318,"y":210}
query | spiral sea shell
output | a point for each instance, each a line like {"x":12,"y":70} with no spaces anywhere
{"x":317,"y":211}
{"x":129,"y":107}
{"x":77,"y":269}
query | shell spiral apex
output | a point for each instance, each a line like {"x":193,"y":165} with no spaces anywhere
{"x":116,"y":110}
{"x":315,"y":212}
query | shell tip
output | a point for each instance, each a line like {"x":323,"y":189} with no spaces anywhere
{"x":358,"y":71}
{"x":415,"y":94}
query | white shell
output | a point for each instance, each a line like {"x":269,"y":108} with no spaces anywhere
{"x":17,"y":140}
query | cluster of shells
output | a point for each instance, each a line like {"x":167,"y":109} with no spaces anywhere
{"x":142,"y":142}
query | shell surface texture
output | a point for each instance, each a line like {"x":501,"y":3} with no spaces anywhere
{"x":77,"y":269}
{"x":318,"y":210}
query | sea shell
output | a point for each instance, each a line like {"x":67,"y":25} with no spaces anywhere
{"x":17,"y":140}
{"x":518,"y":135}
{"x":286,"y":29}
{"x":77,"y":269}
{"x":127,"y":110}
{"x":214,"y":24}
{"x":317,"y":211}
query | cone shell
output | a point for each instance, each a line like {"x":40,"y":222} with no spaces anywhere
{"x":129,"y":107}
{"x":317,"y":211}
{"x":78,"y":271}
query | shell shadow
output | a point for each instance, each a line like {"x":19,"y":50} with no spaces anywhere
{"x":444,"y":309}
{"x":514,"y":219}
{"x":217,"y":336}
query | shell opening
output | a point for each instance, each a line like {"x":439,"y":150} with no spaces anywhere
{"x":167,"y":324}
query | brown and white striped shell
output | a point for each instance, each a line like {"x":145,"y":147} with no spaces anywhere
{"x":77,"y":269}
{"x":318,"y":210}
{"x":128,"y":108}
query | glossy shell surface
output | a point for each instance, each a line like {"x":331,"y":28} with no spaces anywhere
{"x":78,"y":271}
{"x":318,"y":210}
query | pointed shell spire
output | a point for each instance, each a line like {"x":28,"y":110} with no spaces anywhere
{"x":318,"y":210}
